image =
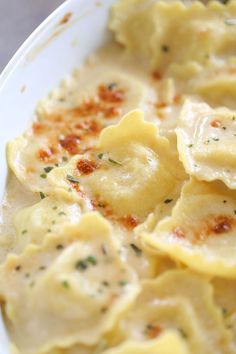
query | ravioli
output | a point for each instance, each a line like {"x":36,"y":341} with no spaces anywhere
{"x":132,"y":172}
{"x":178,"y":300}
{"x":201,"y":230}
{"x":72,"y":125}
{"x":199,"y":30}
{"x":47,"y":216}
{"x":81,"y":268}
{"x":206,"y":142}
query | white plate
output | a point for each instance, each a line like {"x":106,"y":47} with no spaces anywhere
{"x":48,"y":55}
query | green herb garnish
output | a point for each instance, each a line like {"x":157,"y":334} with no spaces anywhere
{"x":123,"y":283}
{"x":72,"y":179}
{"x":42,"y":195}
{"x":100,"y":155}
{"x":114,"y":161}
{"x":48,"y":169}
{"x":65,"y":284}
{"x":165,"y":48}
{"x":43,"y":175}
{"x":167,"y":201}
{"x":136,"y":249}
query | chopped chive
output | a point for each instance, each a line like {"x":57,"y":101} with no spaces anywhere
{"x":42,"y":195}
{"x":165,"y":48}
{"x":167,"y":201}
{"x":43,"y":175}
{"x":48,"y":169}
{"x":31,"y":284}
{"x":92,"y":260}
{"x":136,"y":249}
{"x":64,"y":158}
{"x":122,"y":282}
{"x":18,"y":268}
{"x":224,"y":128}
{"x":190,"y":145}
{"x":233,"y":118}
{"x":111,"y":86}
{"x":59,"y":247}
{"x":42,"y":268}
{"x":72,"y":179}
{"x":61,"y":213}
{"x":100,"y":155}
{"x":54,"y":207}
{"x":105,"y":283}
{"x":183,"y":334}
{"x":216,"y":139}
{"x":24,"y":232}
{"x":81,"y":265}
{"x":104,"y":309}
{"x":114,"y":161}
{"x":234,"y":212}
{"x":224,"y":310}
{"x":65,"y":284}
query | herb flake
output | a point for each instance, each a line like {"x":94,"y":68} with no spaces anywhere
{"x":136,"y":249}
{"x":72,"y":179}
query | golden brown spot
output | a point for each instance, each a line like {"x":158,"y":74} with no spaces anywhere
{"x":214,"y":226}
{"x":110,"y":95}
{"x":65,"y":18}
{"x":70,"y":143}
{"x":129,"y":221}
{"x":86,"y":167}
{"x":222,"y":224}
{"x":112,"y":112}
{"x":87,"y":108}
{"x":161,"y":105}
{"x":216,"y":123}
{"x":177,"y":98}
{"x":177,"y":232}
{"x":153,"y":331}
{"x":156,"y":75}
{"x":45,"y":155}
{"x":38,"y":128}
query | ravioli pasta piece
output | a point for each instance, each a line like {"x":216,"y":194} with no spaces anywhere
{"x":64,"y":129}
{"x":200,"y":30}
{"x":133,"y":171}
{"x":206,"y":142}
{"x":47,"y":216}
{"x":201,"y":230}
{"x":75,"y":284}
{"x":179,"y":300}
